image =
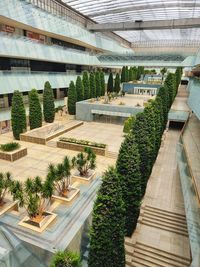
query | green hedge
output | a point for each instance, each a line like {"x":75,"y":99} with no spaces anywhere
{"x":10,"y":146}
{"x":82,"y":142}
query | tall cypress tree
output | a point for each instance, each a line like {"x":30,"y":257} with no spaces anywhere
{"x":150,"y":117}
{"x":158,"y":124}
{"x":140,"y":130}
{"x":86,"y":85}
{"x":103,"y":84}
{"x":48,"y":103}
{"x":18,"y":115}
{"x":35,"y":111}
{"x":134,"y":72}
{"x":130,"y":74}
{"x":123,"y":75}
{"x":107,"y":231}
{"x":170,"y":88}
{"x":128,"y":168}
{"x":98,"y":84}
{"x":126,"y":74}
{"x":72,"y":98}
{"x":110,"y":83}
{"x":163,"y":95}
{"x":117,"y":83}
{"x":92,"y":86}
{"x":79,"y":89}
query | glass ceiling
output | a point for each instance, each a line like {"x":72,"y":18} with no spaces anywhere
{"x":104,"y":11}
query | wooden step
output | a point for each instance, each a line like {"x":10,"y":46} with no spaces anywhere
{"x":158,"y":257}
{"x":164,"y":220}
{"x":170,"y":213}
{"x":165,"y":254}
{"x":164,"y":227}
{"x":174,"y":219}
{"x":150,"y":260}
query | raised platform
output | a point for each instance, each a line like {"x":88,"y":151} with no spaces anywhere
{"x":45,"y":133}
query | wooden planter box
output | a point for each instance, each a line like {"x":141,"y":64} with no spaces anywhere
{"x":80,"y":148}
{"x":9,"y":205}
{"x":13,"y":155}
{"x":82,"y":179}
{"x":47,"y":220}
{"x":67,"y":200}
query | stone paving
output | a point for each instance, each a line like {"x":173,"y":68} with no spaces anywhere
{"x":110,"y":134}
{"x":40,"y":156}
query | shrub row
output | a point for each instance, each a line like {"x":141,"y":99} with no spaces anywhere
{"x":117,"y":206}
{"x":82,"y":142}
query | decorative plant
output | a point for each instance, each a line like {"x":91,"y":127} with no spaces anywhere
{"x":72,"y":98}
{"x":5,"y":182}
{"x":48,"y":103}
{"x":35,"y":111}
{"x":85,"y":161}
{"x":10,"y":146}
{"x":66,"y":259}
{"x":34,"y":195}
{"x":60,"y":176}
{"x":59,"y":109}
{"x":82,"y":142}
{"x":18,"y":115}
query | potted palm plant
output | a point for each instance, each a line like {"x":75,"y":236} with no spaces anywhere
{"x":85,"y":163}
{"x":5,"y":203}
{"x":60,"y":176}
{"x":34,"y":196}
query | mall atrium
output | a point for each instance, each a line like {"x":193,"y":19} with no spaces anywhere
{"x":100,"y":133}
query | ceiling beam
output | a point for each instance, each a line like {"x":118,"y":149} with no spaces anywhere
{"x":146,"y":25}
{"x":143,"y":7}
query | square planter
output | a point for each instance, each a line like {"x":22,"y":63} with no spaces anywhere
{"x":9,"y":205}
{"x":13,"y":155}
{"x":73,"y":194}
{"x":82,"y":179}
{"x":39,"y":227}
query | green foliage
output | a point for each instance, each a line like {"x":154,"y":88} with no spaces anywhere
{"x":117,"y":83}
{"x":79,"y":89}
{"x":151,"y":118}
{"x":130,"y":74}
{"x":128,"y":168}
{"x":140,"y":71}
{"x":81,"y":142}
{"x":169,"y":84}
{"x":164,"y":99}
{"x":110,"y":83}
{"x":158,"y":124}
{"x":35,"y":111}
{"x":18,"y":115}
{"x":107,"y":231}
{"x":98,"y":84}
{"x":134,"y":73}
{"x":34,"y":195}
{"x":60,"y":175}
{"x":86,"y":85}
{"x":103,"y":84}
{"x":140,"y":130}
{"x":163,"y":71}
{"x":48,"y":103}
{"x":5,"y":183}
{"x":85,"y":161}
{"x":128,"y":124}
{"x":126,"y":74}
{"x":92,"y":86}
{"x":10,"y":146}
{"x":72,"y":98}
{"x":66,"y":259}
{"x":123,"y":75}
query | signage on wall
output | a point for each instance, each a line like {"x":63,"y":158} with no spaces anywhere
{"x":7,"y":28}
{"x":36,"y":36}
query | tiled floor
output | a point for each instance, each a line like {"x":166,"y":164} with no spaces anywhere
{"x":110,"y":134}
{"x":39,"y":157}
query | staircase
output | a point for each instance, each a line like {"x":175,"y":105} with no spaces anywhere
{"x":164,"y":220}
{"x":142,"y":255}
